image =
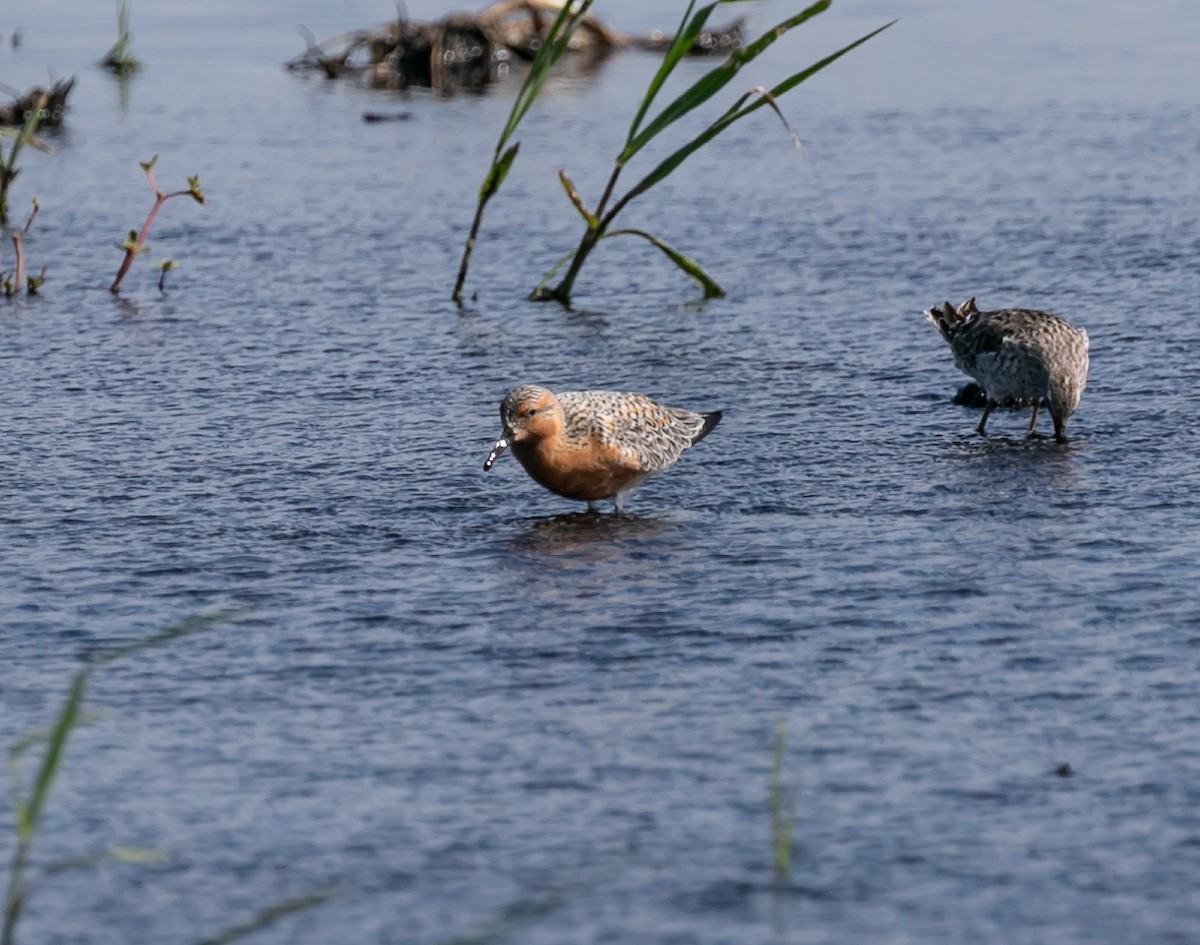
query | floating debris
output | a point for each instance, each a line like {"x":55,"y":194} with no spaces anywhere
{"x":52,"y":109}
{"x":468,"y":52}
{"x":375,"y":117}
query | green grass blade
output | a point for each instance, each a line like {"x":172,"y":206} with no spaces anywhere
{"x":497,"y":172}
{"x":537,"y":290}
{"x":686,"y":263}
{"x":572,"y":193}
{"x":783,"y":808}
{"x":138,"y":856}
{"x":24,"y":136}
{"x":69,"y":716}
{"x":683,"y":41}
{"x":18,"y":749}
{"x":793,"y":80}
{"x":511,"y":919}
{"x":29,"y":812}
{"x":271,"y":915}
{"x":555,"y":43}
{"x":714,"y":80}
{"x":735,"y":113}
{"x":182,"y":629}
{"x":33,"y":142}
{"x":684,"y":37}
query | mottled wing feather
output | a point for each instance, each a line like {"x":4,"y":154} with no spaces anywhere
{"x":648,"y":437}
{"x":1007,"y":351}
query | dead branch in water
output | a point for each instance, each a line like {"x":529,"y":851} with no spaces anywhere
{"x":50,"y":111}
{"x":467,"y":52}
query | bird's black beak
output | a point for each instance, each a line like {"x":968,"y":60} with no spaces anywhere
{"x":500,"y":447}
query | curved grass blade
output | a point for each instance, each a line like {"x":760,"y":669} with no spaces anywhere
{"x":25,"y":135}
{"x":27,"y":811}
{"x":497,"y":172}
{"x":686,"y":263}
{"x":271,"y":915}
{"x":511,"y":919}
{"x":70,"y":717}
{"x":138,"y":856}
{"x":33,"y":140}
{"x":684,"y":37}
{"x":28,"y":814}
{"x":182,"y":629}
{"x":716,"y":79}
{"x":558,"y":36}
{"x":539,"y":292}
{"x":576,"y":201}
{"x":735,"y":113}
{"x":8,"y":165}
{"x":18,"y":749}
{"x":774,"y":105}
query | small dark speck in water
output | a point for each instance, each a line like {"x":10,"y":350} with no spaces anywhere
{"x":379,"y":117}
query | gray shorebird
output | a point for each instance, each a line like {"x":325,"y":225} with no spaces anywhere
{"x":594,"y":444}
{"x":1019,"y":357}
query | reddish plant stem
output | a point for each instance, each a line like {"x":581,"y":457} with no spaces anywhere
{"x":130,"y":252}
{"x":18,"y":248}
{"x":19,"y":276}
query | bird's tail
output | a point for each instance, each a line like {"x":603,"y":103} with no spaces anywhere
{"x":710,"y":421}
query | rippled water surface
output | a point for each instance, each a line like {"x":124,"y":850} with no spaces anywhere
{"x":455,"y":697}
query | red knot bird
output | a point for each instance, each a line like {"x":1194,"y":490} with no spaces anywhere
{"x":1019,"y":357}
{"x":590,"y":445}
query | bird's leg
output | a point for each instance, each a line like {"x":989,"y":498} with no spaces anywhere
{"x":619,"y":502}
{"x":1037,"y":404}
{"x":593,"y":506}
{"x":991,"y":405}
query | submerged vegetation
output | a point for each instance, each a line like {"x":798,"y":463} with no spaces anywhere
{"x":134,"y":244}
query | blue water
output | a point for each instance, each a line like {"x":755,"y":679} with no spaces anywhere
{"x":456,"y":699}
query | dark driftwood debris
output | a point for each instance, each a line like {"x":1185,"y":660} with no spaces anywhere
{"x":53,"y":109}
{"x":467,"y":52}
